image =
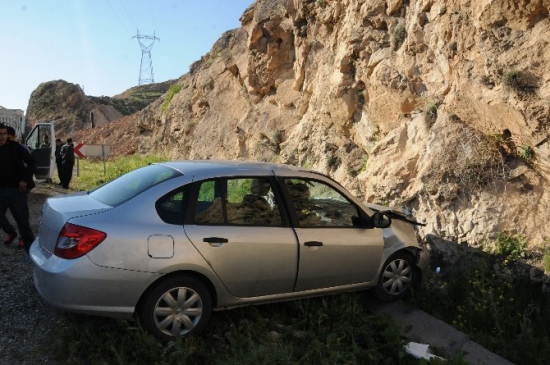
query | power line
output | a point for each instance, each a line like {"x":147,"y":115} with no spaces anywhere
{"x":116,"y":16}
{"x":152,"y":15}
{"x":123,"y":7}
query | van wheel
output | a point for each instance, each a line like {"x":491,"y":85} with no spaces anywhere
{"x":397,"y":276}
{"x":179,"y":306}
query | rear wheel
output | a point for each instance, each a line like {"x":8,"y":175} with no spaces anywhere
{"x":177,"y":306}
{"x":397,"y":276}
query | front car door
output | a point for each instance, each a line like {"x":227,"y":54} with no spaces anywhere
{"x":237,"y":226}
{"x":41,"y":143}
{"x":333,"y":251}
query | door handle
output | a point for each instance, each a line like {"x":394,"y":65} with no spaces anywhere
{"x":313,"y":243}
{"x":215,"y":240}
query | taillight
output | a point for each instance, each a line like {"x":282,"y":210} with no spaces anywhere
{"x":76,"y":241}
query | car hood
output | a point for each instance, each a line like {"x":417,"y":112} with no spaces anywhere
{"x":395,"y":213}
{"x":61,"y":209}
{"x":401,"y":232}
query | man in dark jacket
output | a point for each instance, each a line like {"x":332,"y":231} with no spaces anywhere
{"x":18,"y":167}
{"x":58,"y":161}
{"x":67,"y":163}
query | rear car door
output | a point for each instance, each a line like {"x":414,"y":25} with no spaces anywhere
{"x":333,"y":250}
{"x":237,"y":226}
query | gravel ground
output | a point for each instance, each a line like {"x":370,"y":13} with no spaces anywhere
{"x":27,"y":320}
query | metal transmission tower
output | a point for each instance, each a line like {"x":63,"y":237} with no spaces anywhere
{"x":146,"y":75}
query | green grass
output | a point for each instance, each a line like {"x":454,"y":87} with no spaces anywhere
{"x":328,"y":330}
{"x":91,"y":173}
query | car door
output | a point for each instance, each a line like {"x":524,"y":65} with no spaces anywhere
{"x":41,"y":143}
{"x":333,"y":251}
{"x":240,"y":232}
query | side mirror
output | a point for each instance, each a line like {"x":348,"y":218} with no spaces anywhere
{"x":381,"y":220}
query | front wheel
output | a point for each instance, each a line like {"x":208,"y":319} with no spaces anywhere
{"x":397,"y":276}
{"x":179,"y":306}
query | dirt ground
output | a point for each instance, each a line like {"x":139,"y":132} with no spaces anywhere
{"x":27,"y":321}
{"x":121,"y":134}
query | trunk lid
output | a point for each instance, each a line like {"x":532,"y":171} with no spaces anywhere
{"x":59,"y":210}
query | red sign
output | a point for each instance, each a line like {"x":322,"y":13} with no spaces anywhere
{"x":77,"y":150}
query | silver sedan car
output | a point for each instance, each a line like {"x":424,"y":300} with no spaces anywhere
{"x":170,"y":242}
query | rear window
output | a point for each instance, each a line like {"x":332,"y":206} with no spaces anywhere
{"x":132,"y":184}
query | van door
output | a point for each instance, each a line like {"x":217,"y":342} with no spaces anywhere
{"x":41,"y":143}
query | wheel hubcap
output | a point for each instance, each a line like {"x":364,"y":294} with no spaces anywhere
{"x":178,"y":311}
{"x":397,"y":277}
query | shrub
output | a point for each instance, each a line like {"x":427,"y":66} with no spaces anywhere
{"x":527,"y":153}
{"x":399,"y":35}
{"x":172,"y":91}
{"x":510,"y":246}
{"x":512,"y":78}
{"x":431,"y":113}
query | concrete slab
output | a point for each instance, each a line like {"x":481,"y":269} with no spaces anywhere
{"x":421,"y":327}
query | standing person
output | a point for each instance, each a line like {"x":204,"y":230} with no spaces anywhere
{"x":26,"y":150}
{"x":5,"y":224}
{"x":58,"y":158}
{"x":7,"y":227}
{"x":67,"y":162}
{"x":45,"y":141}
{"x":18,"y":167}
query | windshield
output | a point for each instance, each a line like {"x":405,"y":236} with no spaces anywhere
{"x":132,"y":184}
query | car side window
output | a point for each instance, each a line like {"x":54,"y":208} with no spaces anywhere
{"x":170,"y":207}
{"x":245,"y":201}
{"x":317,"y":204}
{"x":209,"y":208}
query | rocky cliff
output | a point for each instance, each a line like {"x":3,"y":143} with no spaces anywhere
{"x":441,"y":107}
{"x":438,"y":106}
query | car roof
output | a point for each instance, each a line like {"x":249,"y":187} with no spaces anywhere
{"x":231,"y":167}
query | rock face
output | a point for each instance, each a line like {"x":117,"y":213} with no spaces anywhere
{"x":438,"y":106}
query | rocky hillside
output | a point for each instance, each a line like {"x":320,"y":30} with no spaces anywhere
{"x":438,"y":106}
{"x":71,"y":111}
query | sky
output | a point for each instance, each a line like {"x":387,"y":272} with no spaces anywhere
{"x":93,"y":43}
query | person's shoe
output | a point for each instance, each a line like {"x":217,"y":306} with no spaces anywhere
{"x":21,"y":245}
{"x":10,"y":238}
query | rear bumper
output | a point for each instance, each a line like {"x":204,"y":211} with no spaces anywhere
{"x":81,"y":286}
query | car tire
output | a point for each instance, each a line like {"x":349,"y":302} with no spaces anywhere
{"x":178,"y":306}
{"x":397,"y":277}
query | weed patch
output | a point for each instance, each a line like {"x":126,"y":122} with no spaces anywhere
{"x":172,"y":91}
{"x":494,"y":303}
{"x":328,"y":330}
